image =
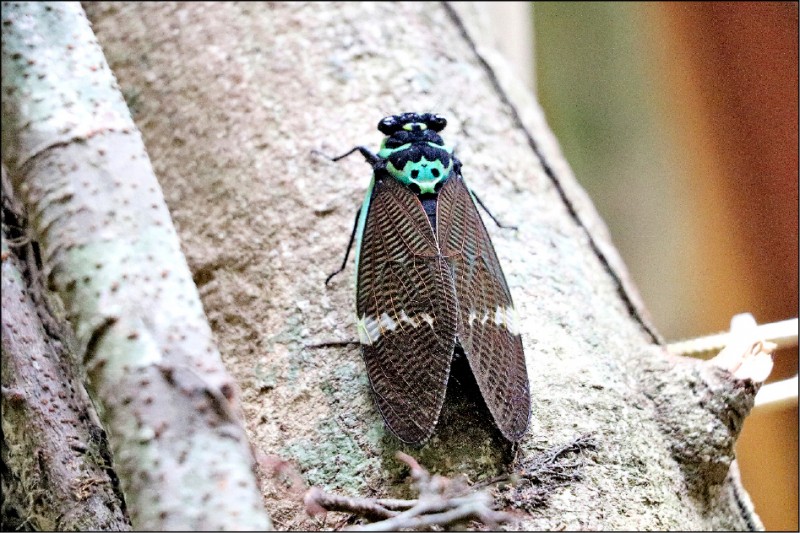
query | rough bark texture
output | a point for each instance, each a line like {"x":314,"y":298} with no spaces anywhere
{"x":56,"y":467}
{"x":111,"y":253}
{"x":232,"y":99}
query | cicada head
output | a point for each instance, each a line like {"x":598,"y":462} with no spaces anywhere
{"x":416,"y":155}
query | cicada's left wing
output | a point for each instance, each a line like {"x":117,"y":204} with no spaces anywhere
{"x":406,"y":312}
{"x":488,"y":324}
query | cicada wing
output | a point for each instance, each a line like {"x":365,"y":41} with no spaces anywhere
{"x":407,"y":312}
{"x":488,"y":328}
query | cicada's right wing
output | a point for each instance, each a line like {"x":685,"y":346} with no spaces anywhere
{"x":488,"y":328}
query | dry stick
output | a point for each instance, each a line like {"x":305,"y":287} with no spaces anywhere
{"x":477,"y":510}
{"x":444,"y":502}
{"x":316,"y":497}
{"x":441,"y":502}
{"x":545,"y":464}
{"x":396,"y":504}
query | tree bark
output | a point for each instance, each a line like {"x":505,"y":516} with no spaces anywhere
{"x":56,"y":465}
{"x":112,"y":255}
{"x":231,"y":100}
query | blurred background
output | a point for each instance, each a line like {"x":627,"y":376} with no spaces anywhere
{"x":680,"y":120}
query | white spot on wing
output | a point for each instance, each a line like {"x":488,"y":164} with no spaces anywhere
{"x":405,"y":318}
{"x":499,"y":316}
{"x":387,"y":322}
{"x":502,"y":316}
{"x":363,"y":335}
{"x":369,"y":330}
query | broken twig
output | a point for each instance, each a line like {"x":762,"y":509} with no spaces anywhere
{"x":442,"y":502}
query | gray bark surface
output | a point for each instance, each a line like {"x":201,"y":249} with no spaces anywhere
{"x":56,"y":465}
{"x":232,"y":98}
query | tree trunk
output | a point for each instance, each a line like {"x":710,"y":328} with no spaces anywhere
{"x":56,"y":471}
{"x":232,"y":98}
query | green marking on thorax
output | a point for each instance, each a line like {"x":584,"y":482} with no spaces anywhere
{"x":386,"y":152}
{"x":424,"y":173}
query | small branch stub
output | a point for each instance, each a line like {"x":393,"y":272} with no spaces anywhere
{"x":716,"y":395}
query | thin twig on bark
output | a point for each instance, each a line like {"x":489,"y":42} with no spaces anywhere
{"x":442,"y":502}
{"x":534,"y":479}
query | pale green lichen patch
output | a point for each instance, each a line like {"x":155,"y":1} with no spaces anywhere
{"x":335,"y":452}
{"x":332,"y":459}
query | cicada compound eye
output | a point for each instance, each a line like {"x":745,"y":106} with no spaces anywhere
{"x":388,"y":125}
{"x":437,"y":122}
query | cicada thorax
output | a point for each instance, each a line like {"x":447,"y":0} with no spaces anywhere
{"x":422,"y":167}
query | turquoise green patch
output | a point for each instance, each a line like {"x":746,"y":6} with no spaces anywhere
{"x":386,"y":152}
{"x":362,"y":222}
{"x":423,"y":173}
